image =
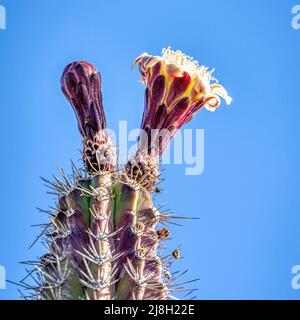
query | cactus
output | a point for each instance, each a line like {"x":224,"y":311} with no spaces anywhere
{"x":105,"y":234}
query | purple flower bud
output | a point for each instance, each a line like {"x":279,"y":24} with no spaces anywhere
{"x":81,"y":84}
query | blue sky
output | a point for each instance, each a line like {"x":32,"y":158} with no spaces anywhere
{"x":248,"y":236}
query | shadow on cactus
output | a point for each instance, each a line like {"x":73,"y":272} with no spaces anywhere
{"x":105,"y":237}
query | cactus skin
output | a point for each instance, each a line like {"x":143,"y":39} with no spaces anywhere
{"x":105,"y":236}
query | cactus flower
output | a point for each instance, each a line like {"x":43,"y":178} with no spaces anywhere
{"x":176,"y":88}
{"x":81,"y":84}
